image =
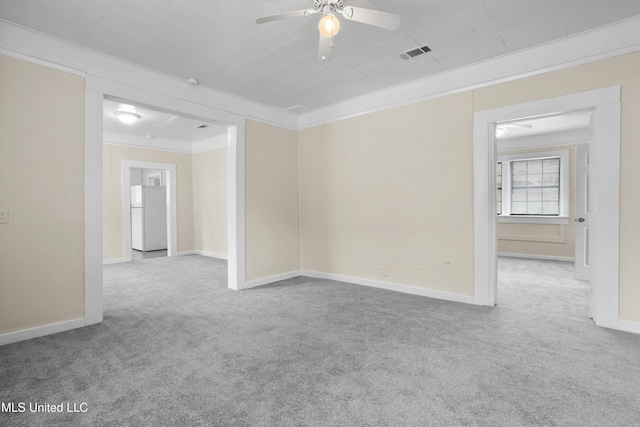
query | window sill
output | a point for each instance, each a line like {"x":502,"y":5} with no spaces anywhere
{"x":533,"y":219}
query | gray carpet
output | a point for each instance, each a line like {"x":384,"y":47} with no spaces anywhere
{"x":178,"y":348}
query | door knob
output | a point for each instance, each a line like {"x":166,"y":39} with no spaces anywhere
{"x":579,"y":220}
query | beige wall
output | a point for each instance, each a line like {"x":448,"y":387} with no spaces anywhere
{"x":554,"y":240}
{"x":210,"y":201}
{"x":272,"y":216}
{"x":112,"y":195}
{"x":42,"y":186}
{"x":374,"y":189}
{"x":377,"y":191}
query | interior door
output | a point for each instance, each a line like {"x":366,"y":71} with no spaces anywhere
{"x":582,"y":229}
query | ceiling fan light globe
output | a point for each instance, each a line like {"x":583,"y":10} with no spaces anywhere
{"x":329,"y":25}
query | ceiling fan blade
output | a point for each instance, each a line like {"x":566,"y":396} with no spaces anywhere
{"x":325,"y":49}
{"x":386,"y":20}
{"x":286,"y":15}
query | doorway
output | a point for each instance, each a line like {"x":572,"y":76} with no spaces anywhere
{"x":542,"y":193}
{"x":605,"y":151}
{"x":169,"y":179}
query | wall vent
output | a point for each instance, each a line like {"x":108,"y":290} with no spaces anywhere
{"x":415,"y":52}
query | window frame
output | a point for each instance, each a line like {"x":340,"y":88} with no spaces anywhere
{"x":564,"y":198}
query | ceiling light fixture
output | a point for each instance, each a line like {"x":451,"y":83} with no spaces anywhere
{"x":127,"y":117}
{"x":329,"y":25}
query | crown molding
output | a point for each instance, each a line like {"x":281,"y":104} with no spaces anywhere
{"x":606,"y":42}
{"x":36,"y":47}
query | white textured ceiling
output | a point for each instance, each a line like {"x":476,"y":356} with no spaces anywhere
{"x":157,"y":125}
{"x":570,"y":123}
{"x":219,"y":43}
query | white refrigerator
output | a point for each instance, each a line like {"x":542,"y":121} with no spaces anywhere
{"x":148,"y":218}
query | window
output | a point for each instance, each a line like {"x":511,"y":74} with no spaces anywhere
{"x":533,"y":187}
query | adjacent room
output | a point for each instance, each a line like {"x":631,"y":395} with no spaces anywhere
{"x":319,"y":212}
{"x":164,"y":184}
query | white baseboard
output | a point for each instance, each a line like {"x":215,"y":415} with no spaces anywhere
{"x":627,"y":326}
{"x":271,"y":279}
{"x":40,"y":331}
{"x":211,"y":254}
{"x":185,"y":253}
{"x":532,"y":256}
{"x":405,"y":289}
{"x":113,"y":261}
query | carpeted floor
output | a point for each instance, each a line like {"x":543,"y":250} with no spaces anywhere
{"x":178,"y":348}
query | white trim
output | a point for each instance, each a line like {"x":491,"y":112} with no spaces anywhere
{"x":271,"y":279}
{"x":605,"y":218}
{"x":41,"y":331}
{"x":172,"y":209}
{"x":603,"y":43}
{"x":156,"y":144}
{"x":169,"y":145}
{"x":236,"y":206}
{"x":16,"y":40}
{"x":533,"y":219}
{"x":485,"y":242}
{"x":532,"y":256}
{"x":93,"y":298}
{"x":38,"y":61}
{"x":605,"y":151}
{"x":625,"y":325}
{"x":405,"y":289}
{"x":185,"y":253}
{"x":114,"y":261}
{"x":211,"y":254}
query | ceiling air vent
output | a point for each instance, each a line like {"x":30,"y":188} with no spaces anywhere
{"x":415,"y":52}
{"x":202,"y":126}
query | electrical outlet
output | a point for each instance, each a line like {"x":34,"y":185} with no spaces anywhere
{"x":4,"y":216}
{"x":270,"y":265}
{"x":383,"y":271}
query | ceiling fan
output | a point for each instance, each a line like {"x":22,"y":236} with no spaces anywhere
{"x":329,"y":25}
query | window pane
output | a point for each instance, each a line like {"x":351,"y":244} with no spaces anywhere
{"x":535,"y":187}
{"x":519,"y":195}
{"x":534,"y":180}
{"x":534,"y":166}
{"x":518,"y":208}
{"x":550,"y":179}
{"x":550,"y":208}
{"x":534,"y":208}
{"x":519,"y":167}
{"x":534,"y":194}
{"x":551,"y":165}
{"x":519,"y":180}
{"x":550,"y":195}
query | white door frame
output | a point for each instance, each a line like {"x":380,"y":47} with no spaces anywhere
{"x":96,"y":90}
{"x":605,"y":221}
{"x":172,"y":221}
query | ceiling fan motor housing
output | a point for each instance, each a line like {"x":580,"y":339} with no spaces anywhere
{"x":333,"y":5}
